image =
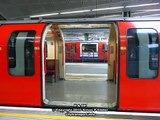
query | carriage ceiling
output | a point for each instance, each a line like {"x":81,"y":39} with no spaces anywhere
{"x":23,"y":9}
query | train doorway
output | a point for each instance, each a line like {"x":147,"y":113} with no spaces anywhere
{"x":86,"y":49}
{"x":58,"y":89}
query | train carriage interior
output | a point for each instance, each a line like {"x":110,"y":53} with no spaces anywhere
{"x":71,"y":78}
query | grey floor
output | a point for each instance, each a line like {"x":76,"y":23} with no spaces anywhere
{"x":76,"y":91}
{"x":86,"y":68}
{"x":85,"y":83}
{"x":86,"y":71}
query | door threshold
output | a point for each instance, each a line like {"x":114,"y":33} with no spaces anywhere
{"x":86,"y":104}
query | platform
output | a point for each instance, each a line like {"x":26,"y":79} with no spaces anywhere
{"x":23,"y":113}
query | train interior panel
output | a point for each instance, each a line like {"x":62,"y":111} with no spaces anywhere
{"x":50,"y":58}
{"x":71,"y":82}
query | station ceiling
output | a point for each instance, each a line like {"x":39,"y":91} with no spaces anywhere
{"x":24,"y":9}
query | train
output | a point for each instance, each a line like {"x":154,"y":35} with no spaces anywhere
{"x":33,"y":52}
{"x":86,"y":51}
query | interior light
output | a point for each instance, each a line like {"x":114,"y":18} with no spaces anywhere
{"x":78,"y":11}
{"x":109,"y":8}
{"x":141,"y":5}
{"x":42,"y":15}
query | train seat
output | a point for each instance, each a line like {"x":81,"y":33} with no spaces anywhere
{"x":50,"y":67}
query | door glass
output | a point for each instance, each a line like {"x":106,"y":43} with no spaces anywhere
{"x":21,"y":53}
{"x":142,"y":53}
{"x":104,"y":48}
{"x":89,"y":48}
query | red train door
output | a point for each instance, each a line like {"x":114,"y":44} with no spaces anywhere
{"x":139,"y":71}
{"x":20,"y":71}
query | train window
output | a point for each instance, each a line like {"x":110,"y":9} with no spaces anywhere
{"x":89,"y":48}
{"x":104,"y":48}
{"x":142,"y":53}
{"x":21,"y":53}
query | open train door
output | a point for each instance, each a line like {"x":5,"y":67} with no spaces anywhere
{"x":53,"y":52}
{"x":139,"y":71}
{"x":53,"y":60}
{"x":20,"y":71}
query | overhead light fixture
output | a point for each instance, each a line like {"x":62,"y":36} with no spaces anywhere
{"x":145,"y":11}
{"x":108,"y":16}
{"x":113,"y":16}
{"x":43,"y":15}
{"x":78,"y":11}
{"x":152,"y":15}
{"x":141,"y":5}
{"x":135,"y":13}
{"x":149,"y":10}
{"x":109,"y":8}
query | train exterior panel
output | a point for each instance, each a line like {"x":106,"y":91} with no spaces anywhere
{"x":72,"y":50}
{"x":20,"y":83}
{"x":82,"y":51}
{"x":135,"y":65}
{"x":139,"y":66}
{"x":89,"y":51}
{"x":102,"y":51}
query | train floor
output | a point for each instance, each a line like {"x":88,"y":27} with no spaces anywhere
{"x":92,"y":93}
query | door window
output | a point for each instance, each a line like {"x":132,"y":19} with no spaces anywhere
{"x":142,"y":53}
{"x":104,"y":48}
{"x":89,"y":48}
{"x":21,"y":53}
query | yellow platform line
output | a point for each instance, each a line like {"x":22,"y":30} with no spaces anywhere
{"x":54,"y":117}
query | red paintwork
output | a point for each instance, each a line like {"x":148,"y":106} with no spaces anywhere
{"x":134,"y":94}
{"x":137,"y":94}
{"x":116,"y":63}
{"x":45,"y":53}
{"x":77,"y":54}
{"x":101,"y":55}
{"x":20,"y":90}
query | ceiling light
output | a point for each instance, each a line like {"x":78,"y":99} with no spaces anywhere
{"x":141,"y":5}
{"x":149,"y":10}
{"x":135,"y":13}
{"x":78,"y":11}
{"x":42,"y":15}
{"x":113,"y":16}
{"x":108,"y":16}
{"x":145,"y":11}
{"x":110,"y":8}
{"x":152,"y":15}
